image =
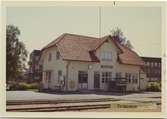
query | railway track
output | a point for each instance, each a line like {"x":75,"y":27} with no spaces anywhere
{"x":60,"y":105}
{"x":60,"y":108}
{"x":25,"y":102}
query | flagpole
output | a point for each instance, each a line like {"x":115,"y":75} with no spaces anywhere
{"x":99,"y":22}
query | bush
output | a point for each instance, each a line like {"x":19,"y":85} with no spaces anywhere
{"x":24,"y":86}
{"x":154,"y":86}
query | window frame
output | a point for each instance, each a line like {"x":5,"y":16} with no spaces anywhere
{"x":50,"y":57}
{"x":82,"y":75}
{"x":118,"y":75}
{"x":106,"y":77}
{"x":106,"y":56}
{"x":57,"y":55}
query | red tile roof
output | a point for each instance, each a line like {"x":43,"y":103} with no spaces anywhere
{"x":129,"y":57}
{"x":82,"y":48}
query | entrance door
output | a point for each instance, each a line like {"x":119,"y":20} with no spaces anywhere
{"x":96,"y":80}
{"x":83,"y":80}
{"x":47,"y":79}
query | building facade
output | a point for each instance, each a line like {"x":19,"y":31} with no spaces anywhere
{"x":74,"y":62}
{"x":152,"y":68}
{"x":35,"y":70}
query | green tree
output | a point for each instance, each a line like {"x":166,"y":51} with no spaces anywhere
{"x":16,"y":53}
{"x":128,"y":44}
{"x":117,"y":32}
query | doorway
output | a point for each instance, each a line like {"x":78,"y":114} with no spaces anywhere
{"x":83,"y":80}
{"x":96,"y":80}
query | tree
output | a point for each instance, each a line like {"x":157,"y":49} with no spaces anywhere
{"x":128,"y":44}
{"x":117,"y":32}
{"x":16,"y":53}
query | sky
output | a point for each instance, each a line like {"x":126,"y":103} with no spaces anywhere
{"x":41,"y":25}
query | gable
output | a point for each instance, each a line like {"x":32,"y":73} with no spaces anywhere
{"x":108,"y":47}
{"x":45,"y":54}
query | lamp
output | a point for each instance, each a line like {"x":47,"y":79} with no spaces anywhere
{"x":90,"y":67}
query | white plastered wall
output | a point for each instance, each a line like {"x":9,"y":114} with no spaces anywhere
{"x":54,"y":65}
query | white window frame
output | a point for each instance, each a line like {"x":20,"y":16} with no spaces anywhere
{"x":50,"y":57}
{"x":106,"y":56}
{"x":106,"y":77}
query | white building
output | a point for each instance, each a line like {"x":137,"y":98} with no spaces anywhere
{"x":74,"y":62}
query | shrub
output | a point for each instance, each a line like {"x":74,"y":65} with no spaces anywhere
{"x":153,"y":86}
{"x":34,"y":86}
{"x":24,"y":86}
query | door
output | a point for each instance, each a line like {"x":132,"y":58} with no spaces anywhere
{"x":83,"y":80}
{"x":96,"y":80}
{"x":47,"y":79}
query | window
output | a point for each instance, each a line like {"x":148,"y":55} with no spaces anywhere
{"x":106,"y":76}
{"x":83,"y":76}
{"x":106,"y":55}
{"x":57,"y":55}
{"x":59,"y":75}
{"x":118,"y":75}
{"x":48,"y":76}
{"x":128,"y":77}
{"x":50,"y":57}
{"x":134,"y":78}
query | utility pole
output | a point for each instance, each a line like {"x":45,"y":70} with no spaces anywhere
{"x":114,"y":3}
{"x":99,"y":22}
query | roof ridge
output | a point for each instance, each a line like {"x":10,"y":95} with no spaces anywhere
{"x":81,"y":35}
{"x":58,"y":39}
